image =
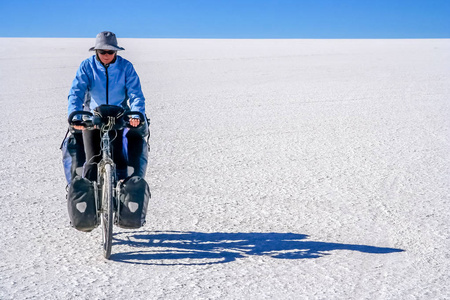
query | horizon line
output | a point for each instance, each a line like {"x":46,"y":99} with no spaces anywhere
{"x":238,"y":38}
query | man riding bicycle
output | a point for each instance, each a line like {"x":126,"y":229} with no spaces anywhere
{"x":106,"y":78}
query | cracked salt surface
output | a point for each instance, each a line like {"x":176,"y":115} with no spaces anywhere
{"x":280,"y":169}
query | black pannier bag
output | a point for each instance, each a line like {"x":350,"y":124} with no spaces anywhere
{"x":134,"y":195}
{"x":81,"y":204}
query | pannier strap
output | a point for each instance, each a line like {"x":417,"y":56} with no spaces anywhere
{"x":62,"y":143}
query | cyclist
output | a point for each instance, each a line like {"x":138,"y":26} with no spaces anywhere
{"x":106,"y":78}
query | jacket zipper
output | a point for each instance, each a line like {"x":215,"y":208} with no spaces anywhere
{"x":107,"y":85}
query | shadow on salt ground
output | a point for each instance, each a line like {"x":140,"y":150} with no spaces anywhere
{"x":198,"y":248}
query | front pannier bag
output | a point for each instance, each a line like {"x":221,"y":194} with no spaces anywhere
{"x":134,"y":195}
{"x":81,"y":204}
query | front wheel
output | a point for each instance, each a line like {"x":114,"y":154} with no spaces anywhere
{"x":107,"y":209}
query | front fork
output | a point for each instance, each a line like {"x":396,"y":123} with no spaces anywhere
{"x":98,"y":191}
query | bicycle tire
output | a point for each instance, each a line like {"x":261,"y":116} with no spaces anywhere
{"x":107,"y":210}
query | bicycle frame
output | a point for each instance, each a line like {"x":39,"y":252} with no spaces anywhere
{"x":106,"y":152}
{"x":107,"y":180}
{"x":106,"y":159}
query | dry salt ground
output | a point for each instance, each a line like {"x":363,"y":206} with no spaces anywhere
{"x":279,"y":169}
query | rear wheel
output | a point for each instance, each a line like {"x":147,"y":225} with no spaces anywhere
{"x":107,"y":210}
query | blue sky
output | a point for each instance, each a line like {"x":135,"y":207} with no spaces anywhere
{"x":227,"y":18}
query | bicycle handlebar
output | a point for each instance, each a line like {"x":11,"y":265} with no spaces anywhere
{"x":91,"y":123}
{"x":78,"y":113}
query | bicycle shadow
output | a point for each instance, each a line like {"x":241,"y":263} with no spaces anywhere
{"x":198,"y":248}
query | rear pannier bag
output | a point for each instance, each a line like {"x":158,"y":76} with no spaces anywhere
{"x":134,"y":195}
{"x":81,"y":204}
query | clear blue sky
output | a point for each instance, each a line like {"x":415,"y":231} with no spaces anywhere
{"x":227,"y":18}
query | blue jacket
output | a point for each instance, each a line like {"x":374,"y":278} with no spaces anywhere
{"x":113,"y":85}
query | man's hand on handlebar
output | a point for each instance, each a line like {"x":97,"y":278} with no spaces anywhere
{"x":134,"y":122}
{"x":79,"y":127}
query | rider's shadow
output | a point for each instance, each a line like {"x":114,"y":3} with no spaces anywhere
{"x":197,"y":248}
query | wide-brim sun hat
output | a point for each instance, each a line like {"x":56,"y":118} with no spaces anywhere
{"x":106,"y":40}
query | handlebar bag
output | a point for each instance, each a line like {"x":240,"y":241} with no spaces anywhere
{"x":81,"y":204}
{"x":134,"y":195}
{"x":104,"y":111}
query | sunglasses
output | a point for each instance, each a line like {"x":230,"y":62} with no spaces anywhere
{"x":103,"y":52}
